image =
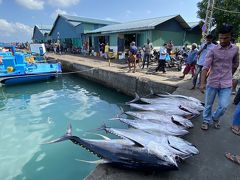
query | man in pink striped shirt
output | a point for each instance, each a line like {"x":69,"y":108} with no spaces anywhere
{"x":221,"y":63}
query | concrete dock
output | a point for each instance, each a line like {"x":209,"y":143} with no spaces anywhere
{"x":210,"y":164}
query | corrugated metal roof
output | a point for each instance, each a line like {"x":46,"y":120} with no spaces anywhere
{"x":76,"y":20}
{"x":74,"y":23}
{"x":87,"y":20}
{"x":44,"y":28}
{"x":140,"y":24}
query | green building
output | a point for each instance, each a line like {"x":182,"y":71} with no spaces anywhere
{"x":157,"y":30}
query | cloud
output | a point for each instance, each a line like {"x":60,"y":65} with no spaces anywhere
{"x":31,"y":4}
{"x":61,"y":11}
{"x":109,"y":19}
{"x":12,"y":32}
{"x":63,"y":3}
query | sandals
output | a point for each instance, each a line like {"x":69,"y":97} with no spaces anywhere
{"x":204,"y":126}
{"x":235,"y":131}
{"x":233,"y":158}
{"x":216,"y":124}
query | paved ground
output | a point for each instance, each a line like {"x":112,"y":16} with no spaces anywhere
{"x":209,"y":164}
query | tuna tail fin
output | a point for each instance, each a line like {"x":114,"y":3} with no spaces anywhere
{"x":121,"y":113}
{"x":151,"y":92}
{"x":137,"y":97}
{"x":65,"y":137}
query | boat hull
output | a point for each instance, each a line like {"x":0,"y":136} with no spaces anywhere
{"x":27,"y":78}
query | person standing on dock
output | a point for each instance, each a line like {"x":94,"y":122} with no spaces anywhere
{"x":147,"y":48}
{"x":132,"y":57}
{"x":162,"y":59}
{"x":202,"y":55}
{"x":222,"y":61}
{"x":106,"y":51}
{"x":191,"y":61}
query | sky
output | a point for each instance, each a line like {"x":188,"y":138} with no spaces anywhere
{"x":18,"y":17}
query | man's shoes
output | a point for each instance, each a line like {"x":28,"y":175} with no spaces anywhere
{"x":181,"y":77}
{"x":192,"y":88}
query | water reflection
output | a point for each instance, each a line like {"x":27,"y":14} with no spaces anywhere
{"x":34,"y":113}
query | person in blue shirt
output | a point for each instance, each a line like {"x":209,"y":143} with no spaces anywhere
{"x":162,"y":59}
{"x":132,"y":57}
{"x":202,"y":55}
{"x":191,"y":61}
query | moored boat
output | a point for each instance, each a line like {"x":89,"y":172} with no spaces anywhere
{"x":15,"y":70}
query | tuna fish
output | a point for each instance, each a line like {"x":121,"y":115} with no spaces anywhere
{"x":168,"y":109}
{"x":155,"y":127}
{"x":160,"y":116}
{"x":175,"y":145}
{"x":125,"y":153}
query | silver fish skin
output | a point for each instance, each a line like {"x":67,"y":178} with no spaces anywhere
{"x":180,"y":97}
{"x":160,"y":116}
{"x":178,"y":101}
{"x":182,"y":145}
{"x":168,"y":109}
{"x":177,"y":146}
{"x":155,"y":128}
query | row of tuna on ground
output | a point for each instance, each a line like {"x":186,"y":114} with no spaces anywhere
{"x":153,"y":139}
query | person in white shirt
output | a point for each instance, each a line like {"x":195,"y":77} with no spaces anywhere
{"x":162,"y":59}
{"x":202,"y":55}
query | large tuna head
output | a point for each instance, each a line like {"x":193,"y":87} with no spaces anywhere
{"x":163,"y":153}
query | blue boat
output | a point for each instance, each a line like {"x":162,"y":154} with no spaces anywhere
{"x":15,"y":70}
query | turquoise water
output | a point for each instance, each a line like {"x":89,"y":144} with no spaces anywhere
{"x":35,"y":113}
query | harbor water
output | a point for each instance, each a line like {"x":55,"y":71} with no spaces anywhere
{"x":32,"y":114}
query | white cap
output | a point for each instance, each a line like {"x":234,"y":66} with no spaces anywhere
{"x":194,"y":44}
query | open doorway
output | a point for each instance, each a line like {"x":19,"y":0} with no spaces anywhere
{"x":128,"y":39}
{"x":102,"y":42}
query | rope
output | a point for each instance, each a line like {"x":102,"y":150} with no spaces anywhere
{"x":235,"y":12}
{"x":52,"y":73}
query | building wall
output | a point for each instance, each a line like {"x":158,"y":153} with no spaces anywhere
{"x":170,"y":30}
{"x":142,"y":37}
{"x":163,"y":33}
{"x":38,"y":36}
{"x":193,"y":36}
{"x":113,"y":42}
{"x":65,"y":29}
{"x":87,"y":27}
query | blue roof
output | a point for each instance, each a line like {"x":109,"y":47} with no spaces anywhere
{"x":76,"y":20}
{"x":44,"y":28}
{"x":87,"y":20}
{"x":144,"y":24}
{"x":74,"y":23}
